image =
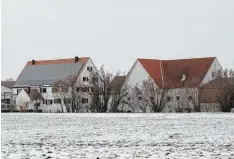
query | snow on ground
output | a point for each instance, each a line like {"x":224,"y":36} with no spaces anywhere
{"x":154,"y":136}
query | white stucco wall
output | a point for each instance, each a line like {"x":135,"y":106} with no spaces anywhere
{"x":183,"y":102}
{"x":86,"y":73}
{"x":215,"y":66}
{"x":22,"y":99}
{"x":14,"y":90}
{"x":137,"y":74}
{"x":6,"y":91}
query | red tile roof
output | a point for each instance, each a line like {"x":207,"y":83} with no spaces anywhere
{"x":209,"y":91}
{"x":153,"y":67}
{"x":58,"y":61}
{"x":117,"y":83}
{"x":168,"y":73}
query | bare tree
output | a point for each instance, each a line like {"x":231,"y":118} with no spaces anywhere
{"x":225,"y":94}
{"x":61,"y":92}
{"x":153,"y":97}
{"x":188,"y":100}
{"x":148,"y":96}
{"x":118,"y":97}
{"x":100,"y":81}
{"x":96,"y":97}
{"x":69,"y":93}
{"x":132,"y":100}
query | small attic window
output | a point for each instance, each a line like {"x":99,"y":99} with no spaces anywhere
{"x":90,"y":68}
{"x":183,"y":77}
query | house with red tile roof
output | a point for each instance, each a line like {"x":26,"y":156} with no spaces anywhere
{"x":177,"y":76}
{"x":42,"y":75}
{"x":215,"y":92}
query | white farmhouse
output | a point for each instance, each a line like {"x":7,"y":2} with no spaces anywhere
{"x":41,"y":76}
{"x":29,"y":100}
{"x":7,"y":99}
{"x":181,"y":78}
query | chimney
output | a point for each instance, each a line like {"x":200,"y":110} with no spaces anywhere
{"x":76,"y":59}
{"x":33,"y":62}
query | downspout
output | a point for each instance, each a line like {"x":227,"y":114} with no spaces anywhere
{"x":161,"y":68}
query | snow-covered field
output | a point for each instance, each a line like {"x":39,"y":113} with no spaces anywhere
{"x":117,"y":136}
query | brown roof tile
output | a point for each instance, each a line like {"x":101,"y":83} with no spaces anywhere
{"x":34,"y":94}
{"x":168,"y":73}
{"x":194,"y":69}
{"x":219,"y":82}
{"x":153,"y":67}
{"x":8,"y":84}
{"x":209,"y":91}
{"x":117,"y":82}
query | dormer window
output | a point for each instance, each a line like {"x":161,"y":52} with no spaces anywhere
{"x":183,"y":77}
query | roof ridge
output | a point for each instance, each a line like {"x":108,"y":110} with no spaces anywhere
{"x":178,"y":59}
{"x":190,"y":58}
{"x":148,"y":59}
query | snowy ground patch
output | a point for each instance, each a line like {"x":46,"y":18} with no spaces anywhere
{"x":195,"y":135}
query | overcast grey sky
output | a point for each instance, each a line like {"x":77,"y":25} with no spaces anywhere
{"x":115,"y":33}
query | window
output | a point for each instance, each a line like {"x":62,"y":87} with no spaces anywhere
{"x":18,"y":91}
{"x":49,"y":102}
{"x":190,"y":98}
{"x":67,"y":100}
{"x":139,"y":98}
{"x":58,"y":101}
{"x":95,"y":79}
{"x":44,"y":101}
{"x":90,"y":68}
{"x":84,"y":89}
{"x":152,"y":98}
{"x":177,"y":97}
{"x":168,"y":98}
{"x":78,"y":89}
{"x":6,"y":101}
{"x":55,"y":90}
{"x":90,"y":90}
{"x":65,"y":89}
{"x":84,"y":100}
{"x":43,"y":90}
{"x":212,"y":74}
{"x":37,"y":105}
{"x":85,"y":79}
